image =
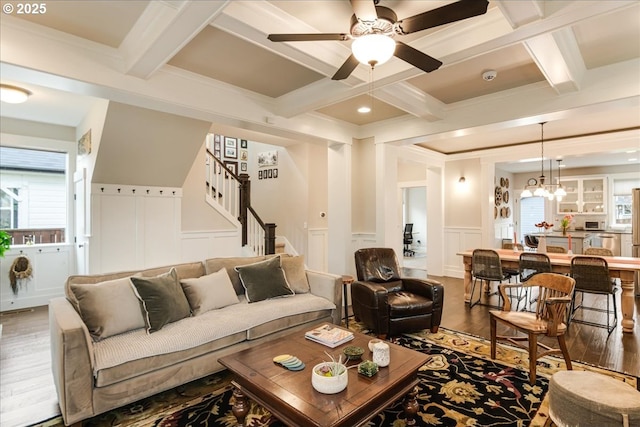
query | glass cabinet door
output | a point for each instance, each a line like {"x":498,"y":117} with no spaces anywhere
{"x":570,"y":202}
{"x":593,"y":200}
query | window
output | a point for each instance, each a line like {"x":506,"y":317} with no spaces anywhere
{"x":33,"y":195}
{"x":531,"y":213}
{"x":622,"y":200}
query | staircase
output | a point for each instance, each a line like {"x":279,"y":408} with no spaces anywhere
{"x":230,"y":195}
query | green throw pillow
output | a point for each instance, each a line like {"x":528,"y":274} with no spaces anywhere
{"x":162,"y":299}
{"x":264,"y":280}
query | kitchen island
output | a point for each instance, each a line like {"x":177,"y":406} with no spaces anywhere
{"x":580,"y":240}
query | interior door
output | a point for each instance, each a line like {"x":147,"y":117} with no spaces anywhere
{"x":80,"y":214}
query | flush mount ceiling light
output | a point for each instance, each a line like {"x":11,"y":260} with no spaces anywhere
{"x":489,"y":75}
{"x":364,"y":110}
{"x":373,"y":49}
{"x":13,"y":94}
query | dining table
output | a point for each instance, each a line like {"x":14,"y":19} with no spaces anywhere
{"x":623,"y":268}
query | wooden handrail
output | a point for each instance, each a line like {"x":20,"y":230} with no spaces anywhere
{"x":245,"y":208}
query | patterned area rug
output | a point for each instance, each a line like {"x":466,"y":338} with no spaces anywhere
{"x":459,"y":386}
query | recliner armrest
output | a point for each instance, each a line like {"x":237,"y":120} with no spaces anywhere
{"x":431,"y":289}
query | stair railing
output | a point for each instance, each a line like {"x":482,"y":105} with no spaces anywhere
{"x":232,"y":194}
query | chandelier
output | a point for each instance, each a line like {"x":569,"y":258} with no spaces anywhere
{"x":539,"y":187}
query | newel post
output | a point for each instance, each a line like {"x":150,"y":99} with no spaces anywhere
{"x":245,"y":200}
{"x":269,"y":238}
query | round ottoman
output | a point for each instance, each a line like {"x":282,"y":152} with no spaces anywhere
{"x":582,"y":398}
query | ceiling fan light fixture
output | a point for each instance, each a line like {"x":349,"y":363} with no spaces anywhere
{"x":13,"y":94}
{"x":373,"y":49}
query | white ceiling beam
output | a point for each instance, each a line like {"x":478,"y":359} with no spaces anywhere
{"x":162,"y":30}
{"x":408,"y":98}
{"x":558,"y":57}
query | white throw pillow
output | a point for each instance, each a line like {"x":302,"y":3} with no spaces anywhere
{"x":209,"y":292}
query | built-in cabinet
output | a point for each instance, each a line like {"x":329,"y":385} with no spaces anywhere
{"x":51,"y":265}
{"x":584,"y":196}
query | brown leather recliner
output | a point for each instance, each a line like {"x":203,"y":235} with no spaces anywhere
{"x":389,"y":304}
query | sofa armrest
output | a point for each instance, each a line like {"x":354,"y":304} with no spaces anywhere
{"x":328,"y":286}
{"x":71,"y":361}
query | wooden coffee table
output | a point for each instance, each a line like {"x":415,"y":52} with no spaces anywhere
{"x":289,"y":396}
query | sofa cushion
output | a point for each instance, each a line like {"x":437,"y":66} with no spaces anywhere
{"x":264,"y":280}
{"x":296,"y":274}
{"x":117,"y":354}
{"x":214,"y":264}
{"x":209,"y":292}
{"x":162,"y":299}
{"x":97,"y":303}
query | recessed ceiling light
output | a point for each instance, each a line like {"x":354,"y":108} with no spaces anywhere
{"x":364,"y":110}
{"x":13,"y":94}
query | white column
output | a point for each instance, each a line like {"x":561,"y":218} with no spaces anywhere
{"x":435,"y":221}
{"x":388,"y":199}
{"x":340,"y":256}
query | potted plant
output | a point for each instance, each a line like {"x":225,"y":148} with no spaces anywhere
{"x":5,"y":242}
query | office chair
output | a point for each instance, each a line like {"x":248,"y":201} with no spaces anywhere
{"x":407,"y":237}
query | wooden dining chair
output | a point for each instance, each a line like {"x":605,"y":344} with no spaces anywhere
{"x":554,"y":297}
{"x":556,"y":249}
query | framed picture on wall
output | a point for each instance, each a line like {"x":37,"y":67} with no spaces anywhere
{"x":269,"y":173}
{"x":231,"y":147}
{"x":244,"y":155}
{"x":216,"y":138}
{"x":243,"y":167}
{"x":232,"y":166}
{"x":268,"y":158}
{"x":259,"y":174}
{"x":275,"y":173}
{"x":243,"y":143}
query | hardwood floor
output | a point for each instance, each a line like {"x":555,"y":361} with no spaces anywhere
{"x":27,"y":393}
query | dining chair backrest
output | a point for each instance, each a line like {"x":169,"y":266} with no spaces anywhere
{"x":591,"y":274}
{"x":509,"y":245}
{"x":598,"y":251}
{"x":530,"y":242}
{"x":552,"y":285}
{"x":485,"y":264}
{"x":556,"y":249}
{"x":531,"y":263}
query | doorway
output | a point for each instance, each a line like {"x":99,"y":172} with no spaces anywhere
{"x":414,"y":211}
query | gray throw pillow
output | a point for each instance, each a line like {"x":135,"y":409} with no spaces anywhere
{"x":209,"y":292}
{"x":162,"y":299}
{"x":264,"y":280}
{"x":296,"y":273}
{"x":108,"y":308}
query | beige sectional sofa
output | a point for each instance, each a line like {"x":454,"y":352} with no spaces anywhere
{"x":104,"y":357}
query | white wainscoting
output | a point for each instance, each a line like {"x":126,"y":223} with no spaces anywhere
{"x":51,"y":264}
{"x":317,"y":249}
{"x":457,"y":240}
{"x":201,"y":245}
{"x":134,"y":227}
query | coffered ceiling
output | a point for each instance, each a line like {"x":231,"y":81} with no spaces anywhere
{"x":574,"y":64}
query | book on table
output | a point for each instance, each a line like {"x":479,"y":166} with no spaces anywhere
{"x":329,"y":335}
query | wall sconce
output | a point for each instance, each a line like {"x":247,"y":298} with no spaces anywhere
{"x":13,"y":94}
{"x":462,"y":180}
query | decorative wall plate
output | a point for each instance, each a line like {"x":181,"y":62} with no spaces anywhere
{"x":507,"y":212}
{"x":495,"y":212}
{"x":501,"y":182}
{"x":505,"y":197}
{"x":506,"y":182}
{"x":498,"y":195}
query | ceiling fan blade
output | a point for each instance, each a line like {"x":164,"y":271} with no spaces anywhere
{"x":365,"y":10}
{"x":346,"y":69}
{"x":308,"y":37}
{"x":416,"y":58}
{"x":453,"y":12}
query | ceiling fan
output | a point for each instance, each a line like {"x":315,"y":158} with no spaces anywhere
{"x":373,"y":27}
